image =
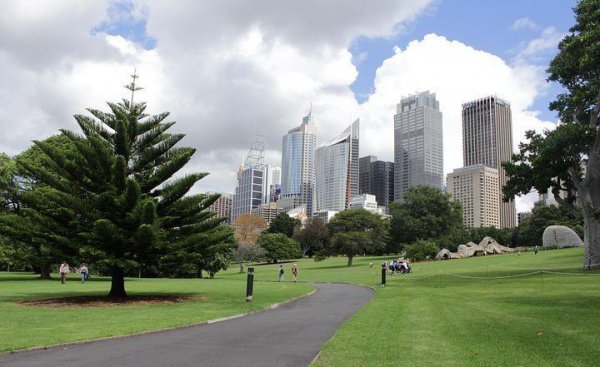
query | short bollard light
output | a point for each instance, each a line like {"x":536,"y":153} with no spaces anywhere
{"x":249,"y":284}
{"x":383,"y":271}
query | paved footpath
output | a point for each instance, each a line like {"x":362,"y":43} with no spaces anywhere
{"x":290,"y":335}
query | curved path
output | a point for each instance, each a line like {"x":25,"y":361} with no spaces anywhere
{"x":290,"y":335}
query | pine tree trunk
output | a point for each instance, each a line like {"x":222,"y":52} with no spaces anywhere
{"x":350,"y":260}
{"x":45,"y":271}
{"x":117,"y":286}
{"x":241,"y":266}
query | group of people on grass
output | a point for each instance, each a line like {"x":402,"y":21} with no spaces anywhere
{"x":65,"y":269}
{"x":398,"y":266}
{"x":294,"y":272}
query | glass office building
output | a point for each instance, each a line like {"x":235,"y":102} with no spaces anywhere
{"x":337,"y":170}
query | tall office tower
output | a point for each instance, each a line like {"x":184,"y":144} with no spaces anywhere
{"x":376,"y":178}
{"x":272,"y":179}
{"x":487,"y":139}
{"x":476,"y":188}
{"x":222,"y":206}
{"x":337,"y":170}
{"x":382,"y":182}
{"x":298,"y":166}
{"x":364,"y":174}
{"x":250,"y":180}
{"x":418,"y":143}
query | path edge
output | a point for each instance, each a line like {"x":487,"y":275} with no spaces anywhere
{"x":156,"y":331}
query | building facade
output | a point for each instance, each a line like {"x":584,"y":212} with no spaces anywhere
{"x":248,"y":192}
{"x":418,"y":143}
{"x":376,"y":178}
{"x":487,"y":140}
{"x":298,"y":166}
{"x":222,"y":206}
{"x":267,"y":211}
{"x":476,"y":188}
{"x":271,"y":182}
{"x":337,"y":170}
{"x":367,"y":202}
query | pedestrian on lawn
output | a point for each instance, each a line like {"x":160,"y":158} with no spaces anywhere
{"x":281,"y":271}
{"x":64,"y":270}
{"x":295,"y":272}
{"x":83,"y":270}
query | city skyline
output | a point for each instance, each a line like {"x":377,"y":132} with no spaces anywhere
{"x":356,"y":63}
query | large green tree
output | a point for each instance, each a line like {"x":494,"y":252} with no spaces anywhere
{"x":283,"y":223}
{"x":114,"y":194}
{"x":278,"y":246}
{"x":312,"y":237}
{"x":425,"y":213}
{"x":356,"y":232}
{"x":567,"y":159}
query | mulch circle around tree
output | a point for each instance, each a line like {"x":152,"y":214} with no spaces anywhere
{"x":103,"y":301}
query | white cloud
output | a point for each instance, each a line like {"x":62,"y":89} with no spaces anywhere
{"x":548,"y":40}
{"x":524,"y":23}
{"x":225,"y":67}
{"x":457,"y":73}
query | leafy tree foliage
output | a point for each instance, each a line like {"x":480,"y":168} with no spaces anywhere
{"x":247,"y":228}
{"x":312,"y":237}
{"x":531,"y":230}
{"x":247,"y":253}
{"x":553,"y":161}
{"x":113,"y":196}
{"x":278,"y":246}
{"x":503,"y":236}
{"x":356,"y":232}
{"x":421,"y":250}
{"x":425,"y":213}
{"x":283,"y":223}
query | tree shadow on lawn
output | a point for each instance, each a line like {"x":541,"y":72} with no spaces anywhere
{"x":572,"y":303}
{"x":77,"y":299}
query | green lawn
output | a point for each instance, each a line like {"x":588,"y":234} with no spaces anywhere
{"x":28,"y":326}
{"x":451,"y":313}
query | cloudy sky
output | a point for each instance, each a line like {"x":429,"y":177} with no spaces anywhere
{"x":227,"y":68}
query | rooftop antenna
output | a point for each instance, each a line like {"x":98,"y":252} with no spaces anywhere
{"x":256,"y":155}
{"x":132,"y":86}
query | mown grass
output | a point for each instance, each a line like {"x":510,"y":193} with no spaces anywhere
{"x":438,"y":317}
{"x":451,"y":313}
{"x":28,"y":326}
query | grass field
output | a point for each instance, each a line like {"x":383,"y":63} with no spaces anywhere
{"x":29,"y":326}
{"x":485,"y":311}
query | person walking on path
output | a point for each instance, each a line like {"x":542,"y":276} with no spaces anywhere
{"x":83,"y":270}
{"x":295,"y":272}
{"x":64,"y":270}
{"x":281,"y":271}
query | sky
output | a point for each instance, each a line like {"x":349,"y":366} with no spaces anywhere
{"x":225,"y":69}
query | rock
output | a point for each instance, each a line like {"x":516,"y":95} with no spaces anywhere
{"x":445,"y":254}
{"x":560,"y":237}
{"x":489,"y":245}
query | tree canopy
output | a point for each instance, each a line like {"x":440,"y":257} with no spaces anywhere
{"x":355,"y":232}
{"x":568,"y":157}
{"x":283,"y":223}
{"x":425,"y":213}
{"x":113,"y":198}
{"x":278,"y":246}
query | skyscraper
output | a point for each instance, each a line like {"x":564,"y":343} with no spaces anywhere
{"x":337,"y":170}
{"x":487,"y":139}
{"x":418,"y":143}
{"x":298,"y":166}
{"x":476,"y":188}
{"x":272,"y":180}
{"x":376,"y":178}
{"x":222,"y":206}
{"x":249,"y":191}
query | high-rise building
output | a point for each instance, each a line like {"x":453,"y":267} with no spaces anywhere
{"x":367,"y":202}
{"x":418,"y":143}
{"x":272,"y":181}
{"x":337,"y":170}
{"x":249,"y":191}
{"x":298,"y":166}
{"x":376,"y":178}
{"x":476,"y":188}
{"x":364,"y":174}
{"x":487,"y":140}
{"x":222,"y":206}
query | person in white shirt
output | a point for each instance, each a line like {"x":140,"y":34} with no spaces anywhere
{"x":83,"y":270}
{"x":64,"y":270}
